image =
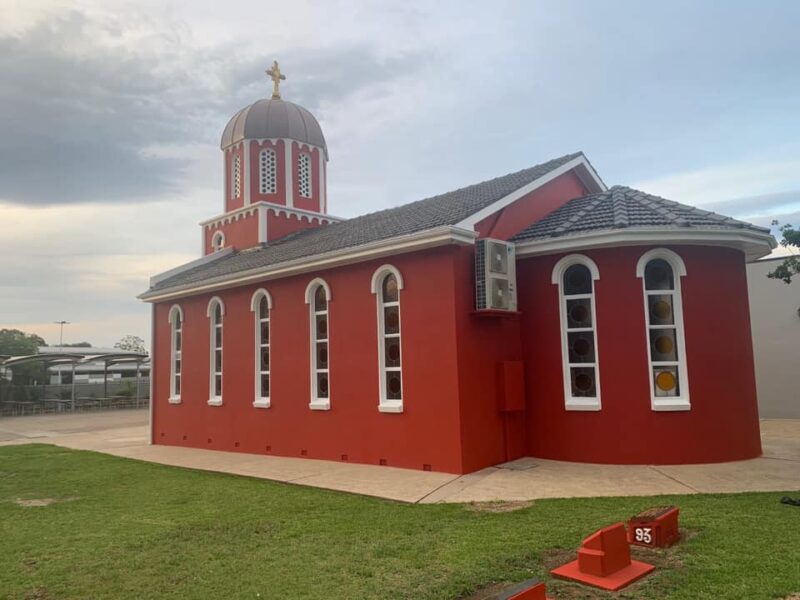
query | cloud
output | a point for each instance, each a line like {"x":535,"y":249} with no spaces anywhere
{"x":95,"y":99}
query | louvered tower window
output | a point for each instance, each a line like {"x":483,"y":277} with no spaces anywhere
{"x":269,"y":171}
{"x":304,"y":175}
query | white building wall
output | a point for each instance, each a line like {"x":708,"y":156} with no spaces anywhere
{"x":775,"y":323}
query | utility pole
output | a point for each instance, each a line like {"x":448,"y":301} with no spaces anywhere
{"x":61,"y":336}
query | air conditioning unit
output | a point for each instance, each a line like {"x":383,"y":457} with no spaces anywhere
{"x":495,"y":275}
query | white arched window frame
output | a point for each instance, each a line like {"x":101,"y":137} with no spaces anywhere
{"x":318,"y":295}
{"x":236,"y":177}
{"x":304,"y":175}
{"x":268,"y":163}
{"x":666,"y":342}
{"x":386,"y":285}
{"x":175,"y":353}
{"x":216,"y":313}
{"x":261,"y":305}
{"x":217,"y":241}
{"x":580,"y":358}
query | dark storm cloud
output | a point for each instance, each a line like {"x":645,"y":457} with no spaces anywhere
{"x":92,"y":108}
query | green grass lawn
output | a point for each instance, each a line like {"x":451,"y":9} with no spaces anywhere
{"x":129,"y":529}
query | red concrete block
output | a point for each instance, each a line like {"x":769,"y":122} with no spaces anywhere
{"x":531,"y":589}
{"x":654,"y":528}
{"x":604,"y":561}
{"x":537,"y":592}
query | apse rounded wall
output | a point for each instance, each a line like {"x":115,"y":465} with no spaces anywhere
{"x":627,"y":427}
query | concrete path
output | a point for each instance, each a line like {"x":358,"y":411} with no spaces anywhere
{"x":124,"y":433}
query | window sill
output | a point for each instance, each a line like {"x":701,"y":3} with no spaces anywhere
{"x":174,"y":400}
{"x":583,"y":404}
{"x":390,"y":408}
{"x":320,"y":405}
{"x":673,"y":404}
{"x":261,"y":403}
{"x":215,"y":401}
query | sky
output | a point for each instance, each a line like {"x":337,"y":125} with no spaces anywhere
{"x":111,"y":114}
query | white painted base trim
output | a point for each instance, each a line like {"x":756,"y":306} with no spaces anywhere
{"x":320,"y":405}
{"x":261,"y":403}
{"x":174,"y":400}
{"x":670,"y":404}
{"x":586,"y":404}
{"x":390,"y":408}
{"x":215,"y":401}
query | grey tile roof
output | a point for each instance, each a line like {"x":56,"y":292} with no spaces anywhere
{"x":437,"y":211}
{"x":622,"y":207}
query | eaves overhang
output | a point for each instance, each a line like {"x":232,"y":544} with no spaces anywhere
{"x":753,"y":244}
{"x":431,"y":238}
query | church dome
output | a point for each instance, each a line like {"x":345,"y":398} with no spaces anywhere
{"x":274,"y":118}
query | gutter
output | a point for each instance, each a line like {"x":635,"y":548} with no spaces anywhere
{"x":754,"y":244}
{"x":430,"y":238}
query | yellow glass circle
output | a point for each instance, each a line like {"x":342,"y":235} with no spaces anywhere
{"x":666,"y":381}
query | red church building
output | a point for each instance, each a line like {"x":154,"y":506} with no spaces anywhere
{"x":540,"y":314}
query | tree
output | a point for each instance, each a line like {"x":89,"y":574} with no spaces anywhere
{"x":77,"y":345}
{"x":14,"y":342}
{"x":791,"y":265}
{"x":18,"y":343}
{"x":132,"y":343}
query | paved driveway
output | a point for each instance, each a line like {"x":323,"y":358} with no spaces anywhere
{"x":124,"y":433}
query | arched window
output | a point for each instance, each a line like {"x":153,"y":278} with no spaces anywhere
{"x":318,"y":294}
{"x":575,"y":276}
{"x":261,"y":305}
{"x":386,"y":285}
{"x":216,"y":310}
{"x":304,"y":175}
{"x":269,"y":171}
{"x":176,"y":343}
{"x":661,"y":271}
{"x":218,"y":241}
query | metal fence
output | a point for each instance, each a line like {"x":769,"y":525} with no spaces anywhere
{"x":54,"y":398}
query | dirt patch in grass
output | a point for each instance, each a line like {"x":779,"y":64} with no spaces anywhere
{"x":500,"y":506}
{"x":38,"y":593}
{"x":35,"y":502}
{"x":29,"y":564}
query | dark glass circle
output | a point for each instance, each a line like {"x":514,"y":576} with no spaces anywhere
{"x":322,"y":327}
{"x":390,"y":288}
{"x":581,"y":347}
{"x":322,"y":355}
{"x":394,"y":384}
{"x":664,"y":344}
{"x":392,"y":319}
{"x":579,"y":313}
{"x":583,"y":382}
{"x":394,"y":352}
{"x":577,"y":280}
{"x":323,"y":385}
{"x":661,"y":309}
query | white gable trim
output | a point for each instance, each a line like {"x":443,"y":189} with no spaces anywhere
{"x":589,"y":178}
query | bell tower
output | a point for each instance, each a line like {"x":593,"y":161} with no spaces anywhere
{"x":275,"y":164}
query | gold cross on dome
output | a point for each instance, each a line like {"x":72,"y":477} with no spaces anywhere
{"x":275,"y":74}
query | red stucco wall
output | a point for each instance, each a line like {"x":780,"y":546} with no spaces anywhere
{"x":426,"y":433}
{"x":282,"y":225}
{"x":239,"y":234}
{"x":722,"y":424}
{"x":530,"y":208}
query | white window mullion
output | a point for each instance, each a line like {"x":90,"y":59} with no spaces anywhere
{"x":575,"y":276}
